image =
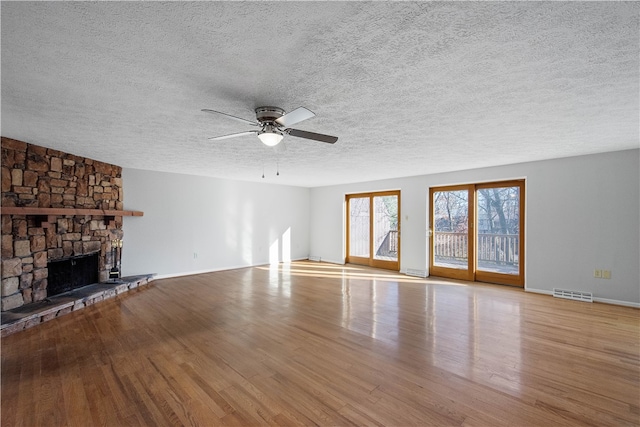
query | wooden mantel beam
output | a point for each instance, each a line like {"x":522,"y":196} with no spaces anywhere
{"x":14,"y":210}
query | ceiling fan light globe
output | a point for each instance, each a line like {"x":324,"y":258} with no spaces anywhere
{"x":270,"y":139}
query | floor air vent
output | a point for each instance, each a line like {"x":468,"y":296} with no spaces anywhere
{"x":416,"y":273}
{"x":574,"y":295}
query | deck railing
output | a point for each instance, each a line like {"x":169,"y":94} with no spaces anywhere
{"x":393,"y":241}
{"x":494,"y":248}
{"x":389,"y":245}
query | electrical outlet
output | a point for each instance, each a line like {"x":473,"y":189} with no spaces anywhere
{"x":195,"y":255}
{"x":597,"y":274}
{"x":606,"y":274}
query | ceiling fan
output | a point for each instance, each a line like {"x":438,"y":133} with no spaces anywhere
{"x":273,"y":124}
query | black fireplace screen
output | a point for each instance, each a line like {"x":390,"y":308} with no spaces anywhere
{"x":72,"y":273}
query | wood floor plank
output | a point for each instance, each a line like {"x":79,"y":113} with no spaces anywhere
{"x":322,"y":344}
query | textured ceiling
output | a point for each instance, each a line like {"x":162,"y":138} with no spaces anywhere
{"x":410,"y":88}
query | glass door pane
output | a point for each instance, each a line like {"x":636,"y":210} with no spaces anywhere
{"x":498,"y":228}
{"x":385,"y":228}
{"x":359,"y":220}
{"x":451,"y":229}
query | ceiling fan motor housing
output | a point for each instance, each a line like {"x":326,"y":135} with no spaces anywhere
{"x":268,"y":114}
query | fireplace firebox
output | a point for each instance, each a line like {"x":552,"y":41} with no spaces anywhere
{"x":71,"y":273}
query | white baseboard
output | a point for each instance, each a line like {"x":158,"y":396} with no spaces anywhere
{"x":323,"y":260}
{"x":193,"y":273}
{"x":538,"y":291}
{"x":595,"y":299}
{"x":617,"y":302}
{"x":422,"y":273}
{"x":213,"y":270}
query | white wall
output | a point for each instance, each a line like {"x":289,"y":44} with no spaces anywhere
{"x":228,"y":224}
{"x":582,"y":213}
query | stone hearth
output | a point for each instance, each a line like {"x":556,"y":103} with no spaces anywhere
{"x":29,"y":315}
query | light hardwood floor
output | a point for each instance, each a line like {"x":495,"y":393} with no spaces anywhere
{"x":314,"y":343}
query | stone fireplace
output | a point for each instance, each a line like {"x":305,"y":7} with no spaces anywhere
{"x":79,"y":197}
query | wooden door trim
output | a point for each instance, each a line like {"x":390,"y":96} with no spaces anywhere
{"x":452,"y":272}
{"x":371,"y":261}
{"x":473,"y":274}
{"x":349,"y":258}
{"x":501,"y":278}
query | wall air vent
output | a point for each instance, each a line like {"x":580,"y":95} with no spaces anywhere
{"x":574,"y":295}
{"x":314,"y":258}
{"x":416,"y":273}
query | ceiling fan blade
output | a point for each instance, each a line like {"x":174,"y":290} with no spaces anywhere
{"x":233,"y":135}
{"x":240,"y":119}
{"x":295,"y":116}
{"x":312,"y":135}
